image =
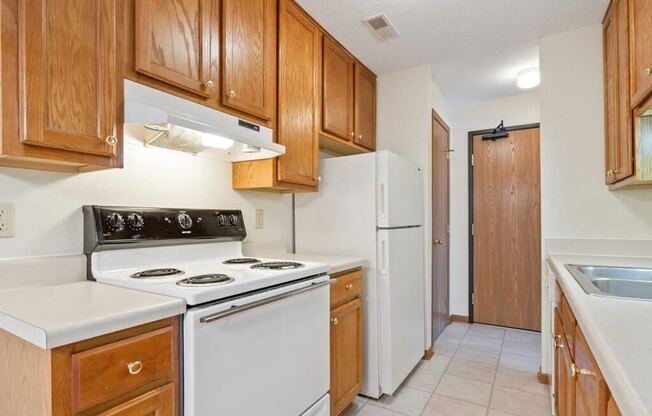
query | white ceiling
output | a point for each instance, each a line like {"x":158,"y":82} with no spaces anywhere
{"x":475,"y":47}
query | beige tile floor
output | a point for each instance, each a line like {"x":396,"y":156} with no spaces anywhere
{"x":477,"y":370}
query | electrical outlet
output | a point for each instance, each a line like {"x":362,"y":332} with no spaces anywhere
{"x":7,"y":220}
{"x":259,"y":219}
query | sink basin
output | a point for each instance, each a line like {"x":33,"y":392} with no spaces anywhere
{"x":621,"y":282}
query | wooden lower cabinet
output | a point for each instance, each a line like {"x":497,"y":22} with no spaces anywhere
{"x":346,"y":340}
{"x":580,"y":388}
{"x":133,"y":372}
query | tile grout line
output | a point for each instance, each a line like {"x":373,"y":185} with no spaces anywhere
{"x":491,"y":393}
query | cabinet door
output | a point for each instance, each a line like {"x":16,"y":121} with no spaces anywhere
{"x":159,"y":402}
{"x":338,"y":92}
{"x":591,"y":394}
{"x":640,"y":31}
{"x":618,"y":116}
{"x":176,"y":41}
{"x":298,"y":98}
{"x":346,"y":354}
{"x":564,"y":388}
{"x":248,"y":56}
{"x":365,"y":107}
{"x":70,"y":87}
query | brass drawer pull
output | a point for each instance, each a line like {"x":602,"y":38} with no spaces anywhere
{"x":349,"y":286}
{"x":111,"y":140}
{"x":335,"y":321}
{"x":209,"y":84}
{"x":135,"y":367}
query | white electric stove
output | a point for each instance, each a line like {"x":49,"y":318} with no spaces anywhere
{"x":256,"y":331}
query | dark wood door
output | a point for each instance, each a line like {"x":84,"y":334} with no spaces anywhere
{"x":298,"y":99}
{"x":346,"y":354}
{"x":159,"y":402}
{"x":619,"y":162}
{"x":640,"y":32}
{"x":70,"y":88}
{"x":338,"y":91}
{"x":440,"y":224}
{"x":177,"y":42}
{"x":249,"y":56}
{"x":365,"y":107}
{"x":507,"y":230}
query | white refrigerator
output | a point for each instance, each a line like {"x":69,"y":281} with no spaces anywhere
{"x":371,"y":206}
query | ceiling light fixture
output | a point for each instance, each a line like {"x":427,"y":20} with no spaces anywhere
{"x":528,"y":78}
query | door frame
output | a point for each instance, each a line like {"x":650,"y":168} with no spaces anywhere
{"x":440,"y":120}
{"x":471,"y":134}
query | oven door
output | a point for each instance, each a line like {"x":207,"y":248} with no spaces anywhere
{"x":263,"y":354}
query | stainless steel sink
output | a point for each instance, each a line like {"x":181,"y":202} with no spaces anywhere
{"x":621,"y":282}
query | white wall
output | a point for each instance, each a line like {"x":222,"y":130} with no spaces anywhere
{"x":515,"y":110}
{"x":576,"y":202}
{"x":48,"y":205}
{"x":405,"y":102}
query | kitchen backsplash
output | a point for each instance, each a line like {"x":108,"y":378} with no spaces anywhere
{"x":48,"y":204}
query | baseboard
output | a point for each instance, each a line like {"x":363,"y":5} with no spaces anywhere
{"x":459,"y":318}
{"x":430,"y":352}
{"x":543,"y":378}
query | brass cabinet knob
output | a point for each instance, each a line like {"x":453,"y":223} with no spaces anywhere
{"x":231,"y":93}
{"x":359,"y":136}
{"x":335,"y":321}
{"x":648,"y":71}
{"x":438,"y":242}
{"x":135,"y":367}
{"x":352,"y":134}
{"x":349,"y":286}
{"x":111,"y":140}
{"x":576,"y":371}
{"x":209,"y":84}
{"x":555,"y":343}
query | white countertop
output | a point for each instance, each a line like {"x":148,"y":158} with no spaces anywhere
{"x":56,"y":315}
{"x":619,"y":332}
{"x":337,"y":264}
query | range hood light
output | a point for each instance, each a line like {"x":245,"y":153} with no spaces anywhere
{"x":247,"y":148}
{"x":216,"y":142}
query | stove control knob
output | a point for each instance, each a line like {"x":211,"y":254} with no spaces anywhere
{"x":135,"y":221}
{"x":115,"y":221}
{"x":221,"y":220}
{"x":184,"y":221}
{"x":234,"y":220}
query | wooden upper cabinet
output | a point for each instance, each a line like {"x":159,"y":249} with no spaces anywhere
{"x":640,"y":31}
{"x":346,"y":355}
{"x":298,"y":95}
{"x":338,"y":91}
{"x":365,"y":107}
{"x":177,"y":42}
{"x":249,"y":56}
{"x":619,"y":161}
{"x":68,"y":76}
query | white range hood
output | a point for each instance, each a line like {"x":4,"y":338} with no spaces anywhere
{"x":197,"y":129}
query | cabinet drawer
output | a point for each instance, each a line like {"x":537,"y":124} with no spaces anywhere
{"x":106,"y":372}
{"x":569,"y":324}
{"x":159,"y":402}
{"x":346,"y":287}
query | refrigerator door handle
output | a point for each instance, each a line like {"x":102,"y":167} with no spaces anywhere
{"x":382,"y":200}
{"x":383,"y":256}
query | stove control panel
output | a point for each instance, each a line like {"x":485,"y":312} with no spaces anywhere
{"x":110,"y":226}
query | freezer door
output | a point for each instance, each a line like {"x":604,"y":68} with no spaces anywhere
{"x":401,"y":304}
{"x":400,"y":191}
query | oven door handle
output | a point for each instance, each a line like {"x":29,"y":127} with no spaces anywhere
{"x":237,"y":309}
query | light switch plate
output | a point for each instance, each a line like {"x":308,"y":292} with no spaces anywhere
{"x":259,"y":219}
{"x":7,"y":220}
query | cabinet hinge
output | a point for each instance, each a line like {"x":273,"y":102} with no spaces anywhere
{"x":472,"y":229}
{"x":473,"y":298}
{"x":472,"y":160}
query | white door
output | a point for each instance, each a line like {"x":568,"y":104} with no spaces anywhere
{"x":269,"y":358}
{"x":401,"y":304}
{"x":400,"y":191}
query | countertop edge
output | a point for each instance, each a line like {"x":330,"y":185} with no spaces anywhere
{"x":618,"y":381}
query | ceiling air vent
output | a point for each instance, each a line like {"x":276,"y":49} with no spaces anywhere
{"x":382,"y":27}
